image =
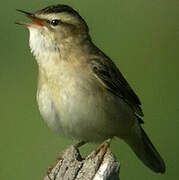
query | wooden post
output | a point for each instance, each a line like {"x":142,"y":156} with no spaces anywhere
{"x":96,"y":166}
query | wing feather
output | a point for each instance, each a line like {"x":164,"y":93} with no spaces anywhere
{"x":110,"y":76}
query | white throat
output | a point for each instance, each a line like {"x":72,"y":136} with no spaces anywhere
{"x":42,"y":48}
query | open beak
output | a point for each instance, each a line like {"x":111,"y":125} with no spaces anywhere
{"x":37,"y":21}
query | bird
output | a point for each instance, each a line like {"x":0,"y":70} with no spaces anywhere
{"x":81,"y":93}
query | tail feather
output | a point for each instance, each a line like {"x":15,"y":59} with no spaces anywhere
{"x":144,"y":149}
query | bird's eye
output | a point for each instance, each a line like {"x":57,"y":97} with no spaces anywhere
{"x":54,"y":22}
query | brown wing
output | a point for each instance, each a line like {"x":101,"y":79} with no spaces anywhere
{"x":109,"y":75}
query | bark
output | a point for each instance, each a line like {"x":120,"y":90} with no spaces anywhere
{"x":99,"y":165}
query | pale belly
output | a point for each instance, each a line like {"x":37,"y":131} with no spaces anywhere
{"x":84,"y":115}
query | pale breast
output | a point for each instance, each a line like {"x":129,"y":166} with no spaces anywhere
{"x":73,"y":103}
{"x":48,"y":110}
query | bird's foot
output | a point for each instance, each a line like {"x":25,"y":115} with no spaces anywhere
{"x":79,"y":144}
{"x":103,"y":148}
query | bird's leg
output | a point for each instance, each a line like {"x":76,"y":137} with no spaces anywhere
{"x":103,"y":147}
{"x":78,"y":145}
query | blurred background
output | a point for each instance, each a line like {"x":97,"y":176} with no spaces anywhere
{"x":141,"y":36}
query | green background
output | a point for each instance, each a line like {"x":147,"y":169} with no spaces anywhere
{"x":141,"y":36}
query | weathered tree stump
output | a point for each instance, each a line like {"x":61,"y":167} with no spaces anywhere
{"x":96,"y":166}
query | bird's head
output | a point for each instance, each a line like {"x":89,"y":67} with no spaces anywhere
{"x":53,"y":26}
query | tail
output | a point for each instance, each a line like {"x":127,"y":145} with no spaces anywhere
{"x":144,"y":149}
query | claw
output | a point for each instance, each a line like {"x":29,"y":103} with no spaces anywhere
{"x":103,"y":147}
